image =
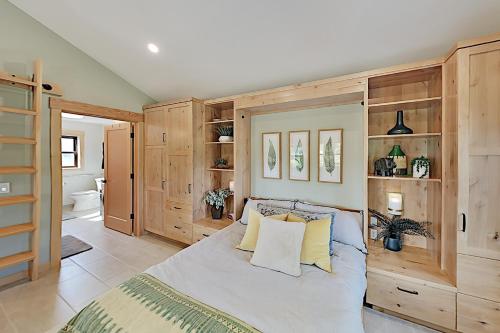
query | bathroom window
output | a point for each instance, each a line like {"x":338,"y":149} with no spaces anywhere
{"x":70,"y":151}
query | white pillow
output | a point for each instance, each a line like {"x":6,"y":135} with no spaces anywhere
{"x":252,"y":204}
{"x":279,"y":246}
{"x":347,"y":226}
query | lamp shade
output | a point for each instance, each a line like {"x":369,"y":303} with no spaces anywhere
{"x":394,"y":203}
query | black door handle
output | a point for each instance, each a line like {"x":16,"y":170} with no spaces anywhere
{"x":407,"y":291}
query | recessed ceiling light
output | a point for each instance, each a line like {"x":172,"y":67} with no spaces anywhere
{"x":153,"y":48}
{"x":71,"y":116}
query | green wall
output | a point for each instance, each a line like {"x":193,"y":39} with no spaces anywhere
{"x":350,"y":118}
{"x":22,"y":40}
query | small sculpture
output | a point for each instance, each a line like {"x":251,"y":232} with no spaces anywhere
{"x":385,"y":167}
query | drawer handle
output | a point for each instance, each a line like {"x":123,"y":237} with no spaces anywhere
{"x":177,"y":207}
{"x":205,"y":235}
{"x":176,"y":227}
{"x":407,"y":291}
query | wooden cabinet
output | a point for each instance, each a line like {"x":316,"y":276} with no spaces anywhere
{"x":477,"y":315}
{"x":172,"y":159}
{"x":204,"y":228}
{"x":434,"y":305}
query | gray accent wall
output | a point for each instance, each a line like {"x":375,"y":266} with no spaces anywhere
{"x":22,"y":40}
{"x":349,"y":193}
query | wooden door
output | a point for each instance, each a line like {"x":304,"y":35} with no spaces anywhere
{"x":479,"y":150}
{"x":178,"y":125}
{"x":117,"y":172}
{"x":154,"y":127}
{"x":154,"y":185}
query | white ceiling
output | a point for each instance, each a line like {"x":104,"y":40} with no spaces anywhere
{"x":221,"y":47}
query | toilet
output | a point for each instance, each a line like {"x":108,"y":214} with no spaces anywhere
{"x":85,"y":200}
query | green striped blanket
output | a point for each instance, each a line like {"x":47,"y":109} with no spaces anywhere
{"x":145,"y":304}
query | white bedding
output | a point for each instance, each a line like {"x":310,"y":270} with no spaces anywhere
{"x":215,"y":273}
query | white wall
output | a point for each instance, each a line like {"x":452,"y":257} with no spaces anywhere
{"x":349,"y":193}
{"x":82,"y":179}
{"x":22,"y":40}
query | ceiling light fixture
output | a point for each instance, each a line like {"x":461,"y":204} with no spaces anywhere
{"x":71,"y":116}
{"x":153,"y":48}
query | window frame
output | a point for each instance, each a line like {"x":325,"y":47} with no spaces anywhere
{"x":77,"y":150}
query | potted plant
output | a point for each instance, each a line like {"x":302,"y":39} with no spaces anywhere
{"x":225,"y":133}
{"x":221,"y":163}
{"x":421,"y":167}
{"x":393,"y":229}
{"x":216,"y":200}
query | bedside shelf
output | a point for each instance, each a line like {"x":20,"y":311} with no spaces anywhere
{"x":221,"y":170}
{"x":419,"y":103}
{"x":218,"y":143}
{"x":437,"y":180}
{"x":219,"y":121}
{"x":404,"y":136}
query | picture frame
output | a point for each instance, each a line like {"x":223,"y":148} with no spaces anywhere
{"x":271,"y":155}
{"x":299,"y":160}
{"x":330,"y":155}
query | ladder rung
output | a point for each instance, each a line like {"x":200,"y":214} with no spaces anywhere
{"x":17,"y":140}
{"x":16,"y":110}
{"x":16,"y":199}
{"x":15,"y":259}
{"x":16,"y":229}
{"x":11,"y":79}
{"x":16,"y":169}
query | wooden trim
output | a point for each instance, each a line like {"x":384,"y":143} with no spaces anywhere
{"x":56,"y":186}
{"x":308,"y":151}
{"x":341,"y":154}
{"x":94,"y":110}
{"x":472,"y":42}
{"x":279,"y":154}
{"x":138,"y":129}
{"x":170,"y":102}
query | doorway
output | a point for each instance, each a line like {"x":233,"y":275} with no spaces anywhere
{"x":105,"y":158}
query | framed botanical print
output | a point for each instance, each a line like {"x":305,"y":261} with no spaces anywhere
{"x":271,"y":155}
{"x":330,"y":155}
{"x":299,"y":160}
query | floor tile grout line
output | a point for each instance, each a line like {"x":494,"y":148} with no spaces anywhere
{"x":9,"y":321}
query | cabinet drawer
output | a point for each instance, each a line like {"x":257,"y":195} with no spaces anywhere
{"x":175,"y":217}
{"x":429,"y":304}
{"x":181,"y":232}
{"x":476,"y":315}
{"x":479,"y":277}
{"x":200,"y":232}
{"x":179,"y":207}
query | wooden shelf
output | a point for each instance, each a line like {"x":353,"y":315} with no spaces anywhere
{"x":222,"y":170}
{"x":217,"y":224}
{"x":218,"y":143}
{"x":412,"y":104}
{"x":17,"y":140}
{"x":403,"y":78}
{"x":14,"y":80}
{"x":16,"y":110}
{"x":412,"y":263}
{"x":16,"y":259}
{"x":16,"y":229}
{"x":16,"y":170}
{"x":219,"y":121}
{"x":15,"y":200}
{"x":408,"y":178}
{"x":404,"y":136}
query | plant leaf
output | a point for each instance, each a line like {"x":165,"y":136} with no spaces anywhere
{"x":299,"y":156}
{"x":328,"y":157}
{"x":271,"y":156}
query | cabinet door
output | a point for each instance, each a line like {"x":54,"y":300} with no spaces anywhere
{"x":479,"y":150}
{"x":154,"y":127}
{"x":179,"y":129}
{"x":154,"y":189}
{"x":179,"y":178}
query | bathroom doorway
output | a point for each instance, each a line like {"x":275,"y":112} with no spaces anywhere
{"x":95,"y":155}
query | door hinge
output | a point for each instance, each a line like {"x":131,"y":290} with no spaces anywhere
{"x":132,"y":216}
{"x":131,"y":135}
{"x":131,"y":176}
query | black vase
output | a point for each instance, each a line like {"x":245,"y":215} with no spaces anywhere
{"x":393,"y":243}
{"x":217,"y":212}
{"x":400,"y":127}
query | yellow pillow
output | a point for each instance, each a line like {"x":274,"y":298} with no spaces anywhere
{"x":316,"y":243}
{"x":249,"y":241}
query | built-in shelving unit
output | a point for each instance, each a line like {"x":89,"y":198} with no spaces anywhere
{"x":418,"y":93}
{"x":215,"y":115}
{"x":12,"y":228}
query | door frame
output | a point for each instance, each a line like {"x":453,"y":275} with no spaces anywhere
{"x":57,"y":106}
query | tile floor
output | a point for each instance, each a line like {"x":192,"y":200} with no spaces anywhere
{"x":46,"y":304}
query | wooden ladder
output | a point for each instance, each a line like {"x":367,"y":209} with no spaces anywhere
{"x":33,"y":226}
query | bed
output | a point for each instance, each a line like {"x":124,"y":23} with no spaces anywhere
{"x":214,"y":273}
